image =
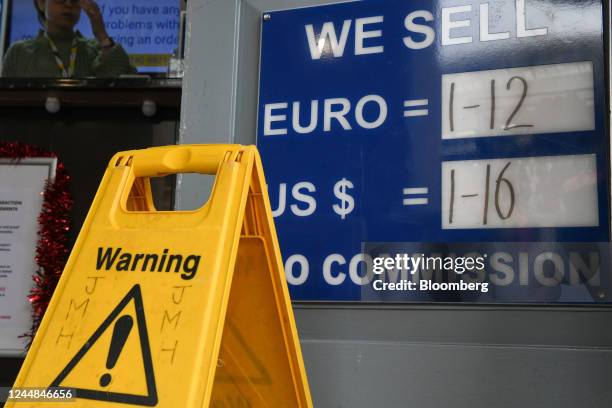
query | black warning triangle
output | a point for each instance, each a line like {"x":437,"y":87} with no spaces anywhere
{"x":131,"y":399}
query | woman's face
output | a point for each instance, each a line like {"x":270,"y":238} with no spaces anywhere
{"x":61,"y":13}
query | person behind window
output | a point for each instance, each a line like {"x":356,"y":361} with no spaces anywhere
{"x":60,"y":51}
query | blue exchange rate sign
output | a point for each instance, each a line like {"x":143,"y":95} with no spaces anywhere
{"x":430,"y":121}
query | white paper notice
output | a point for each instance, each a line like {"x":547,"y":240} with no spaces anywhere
{"x":517,"y":101}
{"x":523,"y":192}
{"x":21,"y":187}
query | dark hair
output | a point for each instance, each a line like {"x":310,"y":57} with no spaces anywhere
{"x":40,"y":14}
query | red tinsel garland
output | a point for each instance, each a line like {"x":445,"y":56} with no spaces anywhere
{"x":52,"y":249}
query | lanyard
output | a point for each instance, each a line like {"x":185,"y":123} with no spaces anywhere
{"x":58,"y":60}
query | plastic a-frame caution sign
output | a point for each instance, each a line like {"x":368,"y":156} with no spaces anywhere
{"x":178,"y":308}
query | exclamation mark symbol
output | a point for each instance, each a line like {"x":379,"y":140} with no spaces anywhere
{"x":122,"y":330}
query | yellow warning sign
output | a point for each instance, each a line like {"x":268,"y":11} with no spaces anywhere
{"x":173,"y":309}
